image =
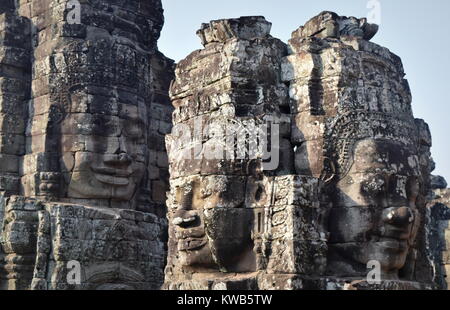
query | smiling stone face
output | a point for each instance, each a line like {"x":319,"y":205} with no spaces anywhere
{"x":111,"y":162}
{"x":104,"y":126}
{"x":77,"y":146}
{"x":375,"y":214}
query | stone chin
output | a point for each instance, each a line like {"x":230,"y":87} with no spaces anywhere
{"x":219,"y":256}
{"x":349,"y":260}
{"x":391,"y":250}
{"x":88,"y":184}
{"x":391,"y":254}
{"x":193,"y":248}
{"x":200,"y":256}
{"x":207,"y":252}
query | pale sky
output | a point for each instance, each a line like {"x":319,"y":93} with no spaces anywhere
{"x":417,"y":31}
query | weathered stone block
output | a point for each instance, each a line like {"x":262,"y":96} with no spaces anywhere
{"x":12,"y":124}
{"x":244,"y":28}
{"x":297,"y":224}
{"x":12,"y":144}
{"x":9,"y":163}
{"x":298,"y":257}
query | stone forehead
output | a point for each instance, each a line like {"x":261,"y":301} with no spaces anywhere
{"x":103,"y":101}
{"x":330,"y":24}
{"x":357,"y":125}
{"x":140,"y":20}
{"x":372,"y":154}
{"x":246,"y":28}
{"x":153,"y":7}
{"x":345,"y":131}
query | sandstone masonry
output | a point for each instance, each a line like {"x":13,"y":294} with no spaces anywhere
{"x":250,"y":164}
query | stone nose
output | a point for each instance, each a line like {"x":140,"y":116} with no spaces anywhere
{"x":124,"y":158}
{"x":118,"y":159}
{"x":399,"y":216}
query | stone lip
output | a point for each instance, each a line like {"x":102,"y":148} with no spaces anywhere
{"x":331,"y":25}
{"x":246,"y":28}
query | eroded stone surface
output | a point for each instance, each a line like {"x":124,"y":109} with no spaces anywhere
{"x":331,"y":25}
{"x":439,"y":235}
{"x":219,"y":205}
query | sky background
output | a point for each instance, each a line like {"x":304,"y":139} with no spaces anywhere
{"x":417,"y":31}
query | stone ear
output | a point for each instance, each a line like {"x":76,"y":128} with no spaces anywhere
{"x":329,"y":171}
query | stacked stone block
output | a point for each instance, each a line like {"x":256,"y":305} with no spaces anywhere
{"x":19,"y":241}
{"x":311,"y":223}
{"x":335,"y":75}
{"x":344,"y":88}
{"x":73,"y":60}
{"x":89,"y":136}
{"x":15,"y":74}
{"x":161,"y":111}
{"x":236,"y":78}
{"x":115,"y":249}
{"x":439,"y":236}
{"x":233,"y":80}
{"x":294,"y":238}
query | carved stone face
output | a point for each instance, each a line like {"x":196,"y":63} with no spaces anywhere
{"x":374,"y":214}
{"x":104,"y":130}
{"x":104,"y":152}
{"x":211,"y":228}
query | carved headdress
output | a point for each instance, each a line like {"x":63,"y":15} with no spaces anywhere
{"x":344,"y":131}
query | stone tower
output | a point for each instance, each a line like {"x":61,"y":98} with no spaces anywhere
{"x":85,"y":105}
{"x":349,"y":190}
